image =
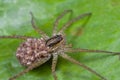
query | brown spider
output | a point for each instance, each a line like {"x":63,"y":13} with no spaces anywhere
{"x":33,"y":52}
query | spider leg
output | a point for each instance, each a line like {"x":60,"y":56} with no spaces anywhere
{"x":34,"y":65}
{"x":58,"y":19}
{"x":87,"y":50}
{"x":80,"y":29}
{"x":44,"y":35}
{"x":65,"y":26}
{"x":21,"y":73}
{"x":31,"y":67}
{"x":54,"y":62}
{"x":65,"y":56}
{"x":15,"y":37}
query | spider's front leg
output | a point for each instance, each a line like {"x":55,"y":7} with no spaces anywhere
{"x":58,"y":20}
{"x":43,"y":34}
{"x":70,"y":22}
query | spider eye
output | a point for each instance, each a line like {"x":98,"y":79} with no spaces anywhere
{"x":54,"y":40}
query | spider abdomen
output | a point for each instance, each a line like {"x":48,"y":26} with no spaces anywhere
{"x":32,"y":50}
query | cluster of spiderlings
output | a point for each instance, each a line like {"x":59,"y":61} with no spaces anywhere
{"x":31,"y":51}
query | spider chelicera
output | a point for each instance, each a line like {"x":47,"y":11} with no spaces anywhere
{"x":33,"y":52}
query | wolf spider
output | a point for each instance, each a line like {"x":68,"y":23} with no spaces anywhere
{"x":33,"y":52}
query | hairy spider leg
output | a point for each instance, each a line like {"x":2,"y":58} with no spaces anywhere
{"x":21,"y":73}
{"x":43,"y":34}
{"x":58,"y":19}
{"x":65,"y":56}
{"x":24,"y":71}
{"x":16,"y":37}
{"x":25,"y":37}
{"x":65,"y":26}
{"x":79,"y":30}
{"x":29,"y":68}
{"x":88,"y":50}
{"x":54,"y":63}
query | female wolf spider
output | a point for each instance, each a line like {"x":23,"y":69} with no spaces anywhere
{"x":33,"y":52}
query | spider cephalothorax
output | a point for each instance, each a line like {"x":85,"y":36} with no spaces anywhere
{"x":53,"y":41}
{"x":33,"y":52}
{"x":56,"y":44}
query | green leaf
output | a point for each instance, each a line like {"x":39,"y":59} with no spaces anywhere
{"x":101,"y":32}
